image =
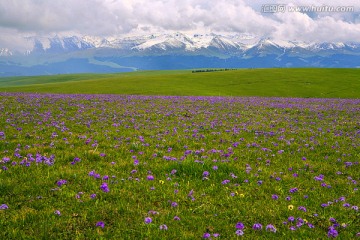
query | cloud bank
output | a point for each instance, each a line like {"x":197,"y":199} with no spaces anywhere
{"x":21,"y":18}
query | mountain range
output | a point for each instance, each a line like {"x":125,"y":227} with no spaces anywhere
{"x":75,"y":54}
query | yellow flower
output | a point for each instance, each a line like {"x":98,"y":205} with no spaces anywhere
{"x":305,"y":221}
{"x":161,"y":181}
{"x":241,"y":195}
{"x":290,"y":207}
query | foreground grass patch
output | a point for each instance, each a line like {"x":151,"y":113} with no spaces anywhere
{"x":141,"y":167}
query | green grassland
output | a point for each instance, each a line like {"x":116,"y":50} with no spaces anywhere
{"x":306,"y":82}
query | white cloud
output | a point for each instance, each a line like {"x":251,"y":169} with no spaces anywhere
{"x":117,"y":17}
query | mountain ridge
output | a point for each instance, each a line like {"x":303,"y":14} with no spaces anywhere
{"x":162,"y":51}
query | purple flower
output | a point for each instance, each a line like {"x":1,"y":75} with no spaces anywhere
{"x":176,"y":218}
{"x":148,"y":220}
{"x":275,"y":197}
{"x":206,"y":173}
{"x":57,"y":212}
{"x":206,"y":235}
{"x":291,"y":219}
{"x":310,"y":225}
{"x":104,"y":187}
{"x":239,"y":232}
{"x":174,"y":204}
{"x":346,"y":205}
{"x":257,"y":226}
{"x":100,"y":224}
{"x":61,"y":182}
{"x":215,"y":167}
{"x":150,"y":177}
{"x":92,"y":196}
{"x":270,"y":228}
{"x":332,"y":233}
{"x":292,"y":228}
{"x":163,"y":227}
{"x":293,"y":190}
{"x":225,"y":181}
{"x":240,"y":225}
{"x":302,"y":208}
{"x":215,"y":235}
{"x":3,"y":206}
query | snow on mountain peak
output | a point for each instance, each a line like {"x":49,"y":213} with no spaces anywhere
{"x":4,"y":52}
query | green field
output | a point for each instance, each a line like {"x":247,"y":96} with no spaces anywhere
{"x":309,"y":82}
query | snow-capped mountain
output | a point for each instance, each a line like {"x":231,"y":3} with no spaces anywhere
{"x":179,"y":43}
{"x":72,"y":54}
{"x":5,"y":52}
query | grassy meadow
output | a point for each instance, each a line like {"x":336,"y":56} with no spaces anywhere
{"x":131,"y":165}
{"x":310,"y":82}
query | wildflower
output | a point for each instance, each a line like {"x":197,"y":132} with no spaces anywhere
{"x":291,"y":219}
{"x":293,"y":190}
{"x":57,"y":212}
{"x":290,"y":207}
{"x":150,"y":177}
{"x":275,"y":197}
{"x":225,"y":182}
{"x":241,"y":195}
{"x":302,"y":208}
{"x":257,"y":226}
{"x":161,"y":181}
{"x":163,"y":227}
{"x":215,"y":167}
{"x":176,"y":218}
{"x":270,"y":228}
{"x":310,"y":225}
{"x":292,"y":228}
{"x":240,"y":225}
{"x":61,"y":182}
{"x":332,"y":233}
{"x":104,"y":187}
{"x":239,"y":232}
{"x":92,"y":196}
{"x":100,"y":224}
{"x":206,"y":174}
{"x":206,"y":235}
{"x":288,"y":198}
{"x":148,"y":220}
{"x":174,"y":204}
{"x":3,"y":206}
{"x":215,"y":235}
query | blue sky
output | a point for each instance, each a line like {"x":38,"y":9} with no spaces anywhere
{"x":24,"y":18}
